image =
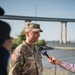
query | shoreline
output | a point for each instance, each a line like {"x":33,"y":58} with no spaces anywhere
{"x":68,"y":46}
{"x":65,"y":48}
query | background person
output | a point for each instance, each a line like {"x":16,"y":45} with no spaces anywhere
{"x":5,"y":46}
{"x":26,"y":59}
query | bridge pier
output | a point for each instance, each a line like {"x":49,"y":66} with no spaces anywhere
{"x":65,"y":33}
{"x":65,"y":37}
{"x":61,"y":33}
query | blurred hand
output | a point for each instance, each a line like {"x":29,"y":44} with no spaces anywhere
{"x":54,"y":60}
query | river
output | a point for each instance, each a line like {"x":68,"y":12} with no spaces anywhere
{"x":65,"y":55}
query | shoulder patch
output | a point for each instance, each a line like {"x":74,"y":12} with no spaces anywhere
{"x":15,"y":56}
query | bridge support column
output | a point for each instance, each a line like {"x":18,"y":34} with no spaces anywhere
{"x":65,"y":37}
{"x":61,"y":33}
{"x":65,"y":33}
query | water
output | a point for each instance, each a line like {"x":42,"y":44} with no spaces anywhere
{"x":64,"y":55}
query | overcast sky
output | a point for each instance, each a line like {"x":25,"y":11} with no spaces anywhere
{"x":45,"y":8}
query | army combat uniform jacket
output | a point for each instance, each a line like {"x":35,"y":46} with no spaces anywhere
{"x":25,"y":61}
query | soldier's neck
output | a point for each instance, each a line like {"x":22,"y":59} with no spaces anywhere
{"x":30,"y":42}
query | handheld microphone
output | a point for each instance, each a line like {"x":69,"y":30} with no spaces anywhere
{"x":43,"y":52}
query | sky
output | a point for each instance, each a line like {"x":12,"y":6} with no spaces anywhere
{"x":42,"y":8}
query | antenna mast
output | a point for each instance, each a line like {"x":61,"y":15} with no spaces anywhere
{"x":36,"y":12}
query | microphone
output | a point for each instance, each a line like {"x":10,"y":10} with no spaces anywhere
{"x":1,"y":11}
{"x":43,"y":52}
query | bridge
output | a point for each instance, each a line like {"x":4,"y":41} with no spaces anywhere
{"x":30,"y":18}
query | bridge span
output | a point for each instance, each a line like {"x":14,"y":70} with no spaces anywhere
{"x":31,"y":18}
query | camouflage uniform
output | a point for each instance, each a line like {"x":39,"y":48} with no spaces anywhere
{"x":25,"y":60}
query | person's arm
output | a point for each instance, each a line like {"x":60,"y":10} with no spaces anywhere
{"x":2,"y":70}
{"x":15,"y":65}
{"x":67,"y":66}
{"x":4,"y":56}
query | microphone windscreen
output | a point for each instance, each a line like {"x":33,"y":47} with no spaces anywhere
{"x":42,"y":51}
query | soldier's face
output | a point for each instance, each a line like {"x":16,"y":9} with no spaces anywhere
{"x":34,"y":35}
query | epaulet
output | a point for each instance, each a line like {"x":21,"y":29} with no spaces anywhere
{"x":18,"y":48}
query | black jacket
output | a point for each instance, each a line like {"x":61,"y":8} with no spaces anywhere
{"x":4,"y":56}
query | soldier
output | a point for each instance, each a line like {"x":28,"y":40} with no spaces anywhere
{"x":26,"y":59}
